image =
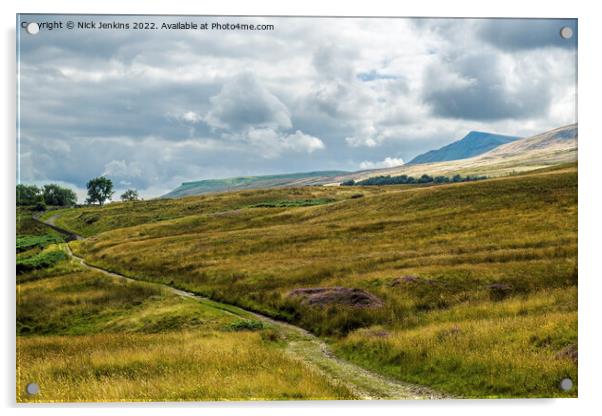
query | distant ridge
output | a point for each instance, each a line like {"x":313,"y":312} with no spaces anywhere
{"x":252,"y":182}
{"x":473,"y":144}
{"x":551,"y":148}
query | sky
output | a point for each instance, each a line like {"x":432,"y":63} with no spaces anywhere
{"x":153,"y":108}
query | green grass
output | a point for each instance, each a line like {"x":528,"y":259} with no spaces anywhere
{"x":496,"y":258}
{"x":39,"y":261}
{"x":88,"y":221}
{"x":27,"y":242}
{"x":291,"y":203}
{"x":245,"y":325}
{"x":27,"y":226}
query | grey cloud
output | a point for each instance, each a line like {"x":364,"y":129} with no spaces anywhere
{"x":153,"y":108}
{"x":523,"y":34}
{"x":243,"y":103}
{"x":475,"y":87}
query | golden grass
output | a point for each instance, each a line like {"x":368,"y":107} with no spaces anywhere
{"x":519,"y":232}
{"x":174,"y":366}
{"x":511,"y":348}
{"x":108,"y":339}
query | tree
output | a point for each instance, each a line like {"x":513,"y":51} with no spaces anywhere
{"x":58,"y":196}
{"x":99,"y":190}
{"x":28,"y":194}
{"x":130,"y":195}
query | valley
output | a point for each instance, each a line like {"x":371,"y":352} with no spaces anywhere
{"x":475,"y":281}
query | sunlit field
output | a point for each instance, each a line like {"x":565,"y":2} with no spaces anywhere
{"x":85,"y":336}
{"x":493,"y":263}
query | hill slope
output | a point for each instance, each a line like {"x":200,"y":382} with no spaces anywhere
{"x":474,"y":278}
{"x":551,"y":148}
{"x":473,"y":144}
{"x":250,"y":182}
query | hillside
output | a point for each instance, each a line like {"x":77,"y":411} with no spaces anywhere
{"x":250,"y":182}
{"x":552,"y":148}
{"x":483,"y":274}
{"x":506,"y":155}
{"x":473,"y":144}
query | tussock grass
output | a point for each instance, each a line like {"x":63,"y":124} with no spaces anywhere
{"x":92,"y":220}
{"x":507,"y":349}
{"x":86,"y":336}
{"x":173,"y":366}
{"x":482,"y":248}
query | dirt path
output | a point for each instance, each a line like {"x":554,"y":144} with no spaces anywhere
{"x":302,"y":345}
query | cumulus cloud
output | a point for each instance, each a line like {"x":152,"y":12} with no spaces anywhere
{"x":244,"y":102}
{"x":387,"y":162}
{"x":485,"y":86}
{"x":521,"y":34}
{"x":156,"y":108}
{"x":361,"y":141}
{"x":190,"y":117}
{"x":273,"y":143}
{"x":122,"y":171}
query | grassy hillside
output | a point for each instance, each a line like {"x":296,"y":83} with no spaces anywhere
{"x":27,"y":226}
{"x":92,"y":220}
{"x":85,"y":336}
{"x":473,"y":144}
{"x":250,"y":182}
{"x":548,"y":149}
{"x":477,"y":281}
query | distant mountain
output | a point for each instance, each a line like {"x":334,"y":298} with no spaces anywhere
{"x":551,"y":148}
{"x":551,"y":141}
{"x":473,"y":144}
{"x":253,"y":182}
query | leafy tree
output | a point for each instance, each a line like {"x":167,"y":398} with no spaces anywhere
{"x":100,"y":189}
{"x":350,"y":182}
{"x":28,"y":194}
{"x":425,"y":179}
{"x":130,"y":195}
{"x":58,"y":196}
{"x":410,"y":180}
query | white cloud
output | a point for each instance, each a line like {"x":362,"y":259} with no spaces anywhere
{"x":245,"y":102}
{"x":191,"y":117}
{"x":388,"y":162}
{"x":155,"y":109}
{"x":361,"y":141}
{"x":300,"y":142}
{"x":120,"y":169}
{"x":272,"y":143}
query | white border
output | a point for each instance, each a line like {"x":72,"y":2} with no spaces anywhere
{"x":590,"y":207}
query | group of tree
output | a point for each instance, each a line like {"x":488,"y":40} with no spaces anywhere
{"x":100,"y":190}
{"x":130,"y":195}
{"x":51,"y":194}
{"x":410,"y":180}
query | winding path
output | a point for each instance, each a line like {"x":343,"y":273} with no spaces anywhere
{"x":301,"y":344}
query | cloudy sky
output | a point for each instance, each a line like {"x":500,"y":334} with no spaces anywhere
{"x":151,"y":109}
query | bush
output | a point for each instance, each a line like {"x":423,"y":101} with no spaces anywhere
{"x":27,"y":242}
{"x":40,"y":261}
{"x":410,"y":180}
{"x":245,"y":325}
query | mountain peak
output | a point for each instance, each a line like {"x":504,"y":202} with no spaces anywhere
{"x":473,"y":144}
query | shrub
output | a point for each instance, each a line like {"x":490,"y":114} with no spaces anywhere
{"x":40,"y":261}
{"x":27,"y":242}
{"x":245,"y":325}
